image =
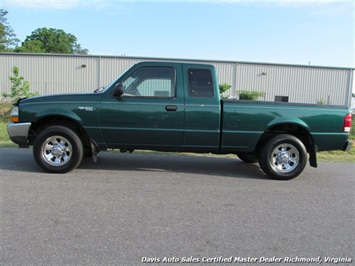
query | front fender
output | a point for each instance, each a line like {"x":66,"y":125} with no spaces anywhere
{"x":59,"y":112}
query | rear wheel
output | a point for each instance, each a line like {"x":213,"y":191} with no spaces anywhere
{"x":283,"y":157}
{"x":58,"y":149}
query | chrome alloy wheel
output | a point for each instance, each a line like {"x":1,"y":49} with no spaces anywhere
{"x":285,"y":158}
{"x":57,"y":150}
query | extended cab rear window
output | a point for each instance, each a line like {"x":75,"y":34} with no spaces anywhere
{"x":200,"y":83}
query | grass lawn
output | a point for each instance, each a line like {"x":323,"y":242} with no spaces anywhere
{"x":4,"y":137}
{"x":331,"y":156}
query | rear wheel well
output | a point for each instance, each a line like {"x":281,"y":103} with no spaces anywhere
{"x":46,"y":122}
{"x":293,"y":129}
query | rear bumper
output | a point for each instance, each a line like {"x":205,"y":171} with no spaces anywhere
{"x":18,"y":133}
{"x":348,"y":145}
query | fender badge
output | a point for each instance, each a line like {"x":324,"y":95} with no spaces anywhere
{"x":86,"y":108}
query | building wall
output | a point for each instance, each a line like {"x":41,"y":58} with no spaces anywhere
{"x":300,"y":84}
{"x":51,"y":74}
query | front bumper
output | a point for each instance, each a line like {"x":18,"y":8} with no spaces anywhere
{"x":348,"y":145}
{"x":18,"y":133}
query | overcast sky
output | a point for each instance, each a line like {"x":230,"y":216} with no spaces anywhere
{"x":302,"y":32}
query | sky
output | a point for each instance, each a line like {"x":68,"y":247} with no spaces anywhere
{"x":319,"y":33}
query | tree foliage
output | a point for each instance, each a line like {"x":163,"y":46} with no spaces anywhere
{"x":223,"y":88}
{"x":44,"y":40}
{"x":20,"y":88}
{"x":7,"y":36}
{"x":31,"y":47}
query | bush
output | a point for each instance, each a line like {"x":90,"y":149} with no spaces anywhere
{"x":251,"y":95}
{"x":321,"y":102}
{"x":352,"y":130}
{"x":5,"y":111}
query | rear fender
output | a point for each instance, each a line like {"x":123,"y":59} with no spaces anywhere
{"x":287,"y":121}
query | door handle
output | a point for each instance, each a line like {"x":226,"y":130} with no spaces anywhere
{"x":170,"y":108}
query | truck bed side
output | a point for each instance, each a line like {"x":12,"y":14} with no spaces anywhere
{"x":245,"y":122}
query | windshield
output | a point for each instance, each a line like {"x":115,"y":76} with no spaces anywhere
{"x":102,"y":89}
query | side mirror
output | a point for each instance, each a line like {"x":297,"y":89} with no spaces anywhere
{"x":118,"y":91}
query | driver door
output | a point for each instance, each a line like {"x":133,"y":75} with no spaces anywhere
{"x":149,"y":114}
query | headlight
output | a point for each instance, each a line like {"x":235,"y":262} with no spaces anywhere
{"x":14,"y":115}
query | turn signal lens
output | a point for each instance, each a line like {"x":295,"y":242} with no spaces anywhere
{"x":347,"y":123}
{"x":14,"y":119}
{"x":14,"y":115}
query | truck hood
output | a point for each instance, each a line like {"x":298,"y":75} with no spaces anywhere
{"x":57,"y":98}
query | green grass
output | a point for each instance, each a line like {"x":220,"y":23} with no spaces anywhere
{"x":4,"y":137}
{"x":328,"y":156}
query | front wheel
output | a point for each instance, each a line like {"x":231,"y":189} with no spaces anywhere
{"x":58,"y":149}
{"x":283,"y":157}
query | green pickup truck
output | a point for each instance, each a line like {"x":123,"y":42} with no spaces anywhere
{"x":176,"y":107}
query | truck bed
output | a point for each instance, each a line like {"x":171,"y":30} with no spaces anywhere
{"x":244,"y":122}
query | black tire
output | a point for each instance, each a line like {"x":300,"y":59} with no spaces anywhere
{"x":58,"y":149}
{"x":283,"y":157}
{"x":248,"y":157}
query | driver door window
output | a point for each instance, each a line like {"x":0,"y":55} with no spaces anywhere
{"x":151,"y":82}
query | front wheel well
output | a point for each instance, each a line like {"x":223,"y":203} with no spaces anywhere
{"x":46,"y":122}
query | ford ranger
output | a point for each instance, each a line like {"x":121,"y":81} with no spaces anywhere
{"x":176,"y":107}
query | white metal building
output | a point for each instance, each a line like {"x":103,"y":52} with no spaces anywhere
{"x":53,"y":73}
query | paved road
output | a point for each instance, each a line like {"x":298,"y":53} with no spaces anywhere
{"x":130,"y":208}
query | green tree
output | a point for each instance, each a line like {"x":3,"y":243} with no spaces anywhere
{"x":7,"y":36}
{"x":20,"y":88}
{"x":34,"y":46}
{"x":51,"y":40}
{"x":223,"y":88}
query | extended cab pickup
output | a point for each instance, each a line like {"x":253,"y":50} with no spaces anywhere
{"x":176,"y":107}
